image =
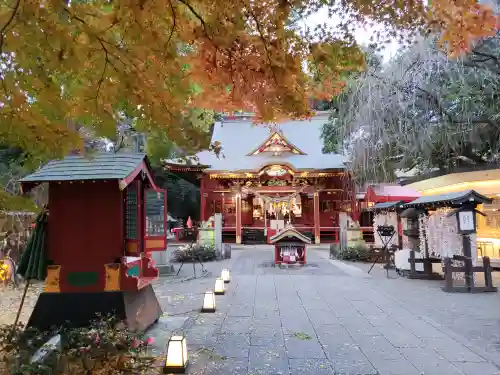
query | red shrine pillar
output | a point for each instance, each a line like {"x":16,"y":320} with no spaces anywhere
{"x":238,"y":217}
{"x":316,"y":218}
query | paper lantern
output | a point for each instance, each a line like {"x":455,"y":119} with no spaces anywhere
{"x":208,"y":302}
{"x":225,"y":275}
{"x":219,"y":286}
{"x":177,"y":356}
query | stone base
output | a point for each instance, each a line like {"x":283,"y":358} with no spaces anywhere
{"x":165,"y":269}
{"x":140,"y":309}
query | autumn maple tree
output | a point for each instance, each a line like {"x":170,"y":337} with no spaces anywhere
{"x":68,"y":64}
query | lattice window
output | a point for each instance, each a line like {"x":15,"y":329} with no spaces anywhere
{"x":155,"y":208}
{"x":131,"y":213}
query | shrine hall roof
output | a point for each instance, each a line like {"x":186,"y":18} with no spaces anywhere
{"x":99,"y":166}
{"x":239,"y":137}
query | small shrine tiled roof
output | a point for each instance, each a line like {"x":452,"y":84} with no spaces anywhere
{"x":289,"y":232}
{"x":239,"y":137}
{"x":99,"y":166}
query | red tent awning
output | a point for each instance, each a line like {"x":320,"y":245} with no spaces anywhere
{"x":390,"y":193}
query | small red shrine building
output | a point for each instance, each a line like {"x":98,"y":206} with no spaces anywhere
{"x":106,"y":215}
{"x":268,"y":176}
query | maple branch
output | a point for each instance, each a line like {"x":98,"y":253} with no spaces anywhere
{"x":9,"y":21}
{"x":268,"y":55}
{"x":196,"y":14}
{"x":99,"y":84}
{"x":174,"y":20}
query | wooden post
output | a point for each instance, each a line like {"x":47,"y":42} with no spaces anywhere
{"x":317,"y":232}
{"x":413,"y":271}
{"x":448,"y":275}
{"x":202,"y":200}
{"x":238,"y":217}
{"x":469,"y":274}
{"x":488,"y":282}
{"x":399,"y":233}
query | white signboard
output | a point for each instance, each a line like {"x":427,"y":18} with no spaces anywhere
{"x":466,"y":220}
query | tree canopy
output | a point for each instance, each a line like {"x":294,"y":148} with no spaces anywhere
{"x":84,"y":63}
{"x":421,"y":112}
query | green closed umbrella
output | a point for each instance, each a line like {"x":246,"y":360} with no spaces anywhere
{"x":33,"y":263}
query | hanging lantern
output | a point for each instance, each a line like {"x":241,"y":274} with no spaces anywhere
{"x":177,"y":356}
{"x":219,"y":286}
{"x":225,"y":275}
{"x":208,"y":302}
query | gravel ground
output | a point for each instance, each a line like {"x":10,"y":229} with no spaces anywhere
{"x":10,"y":299}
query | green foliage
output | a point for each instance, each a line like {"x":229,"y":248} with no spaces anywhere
{"x":302,"y":336}
{"x":183,"y":198}
{"x":14,"y":163}
{"x":355,"y":252}
{"x":194,"y":252}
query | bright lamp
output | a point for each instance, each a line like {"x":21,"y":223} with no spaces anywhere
{"x":219,"y":286}
{"x":208,"y":302}
{"x":177,"y":356}
{"x":225,"y":275}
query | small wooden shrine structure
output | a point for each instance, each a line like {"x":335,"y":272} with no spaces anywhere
{"x":105,"y":217}
{"x":447,"y":231}
{"x":290,"y":247}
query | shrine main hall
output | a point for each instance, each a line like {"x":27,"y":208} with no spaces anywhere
{"x":266,"y":177}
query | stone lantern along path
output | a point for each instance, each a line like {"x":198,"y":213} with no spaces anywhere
{"x":328,"y":318}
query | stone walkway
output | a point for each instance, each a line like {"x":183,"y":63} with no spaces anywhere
{"x":332,"y":318}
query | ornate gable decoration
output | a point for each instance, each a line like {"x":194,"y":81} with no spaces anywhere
{"x":276,"y":144}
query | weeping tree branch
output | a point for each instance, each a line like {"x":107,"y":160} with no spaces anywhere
{"x":420,"y":111}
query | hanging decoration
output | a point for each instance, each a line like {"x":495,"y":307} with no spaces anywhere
{"x":443,"y":239}
{"x":268,"y":199}
{"x":423,"y":236}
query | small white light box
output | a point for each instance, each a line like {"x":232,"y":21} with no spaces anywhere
{"x":177,"y":356}
{"x":208,"y":302}
{"x":466,"y":219}
{"x":225,"y":275}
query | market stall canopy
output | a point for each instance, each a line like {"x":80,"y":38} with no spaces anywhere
{"x":449,"y":200}
{"x":387,"y":206}
{"x":120,"y":166}
{"x":390,"y":193}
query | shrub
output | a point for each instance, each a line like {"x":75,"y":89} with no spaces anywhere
{"x":102,"y":348}
{"x":194,"y":252}
{"x":357,"y":251}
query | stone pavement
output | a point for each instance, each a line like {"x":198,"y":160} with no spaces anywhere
{"x":331,"y":318}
